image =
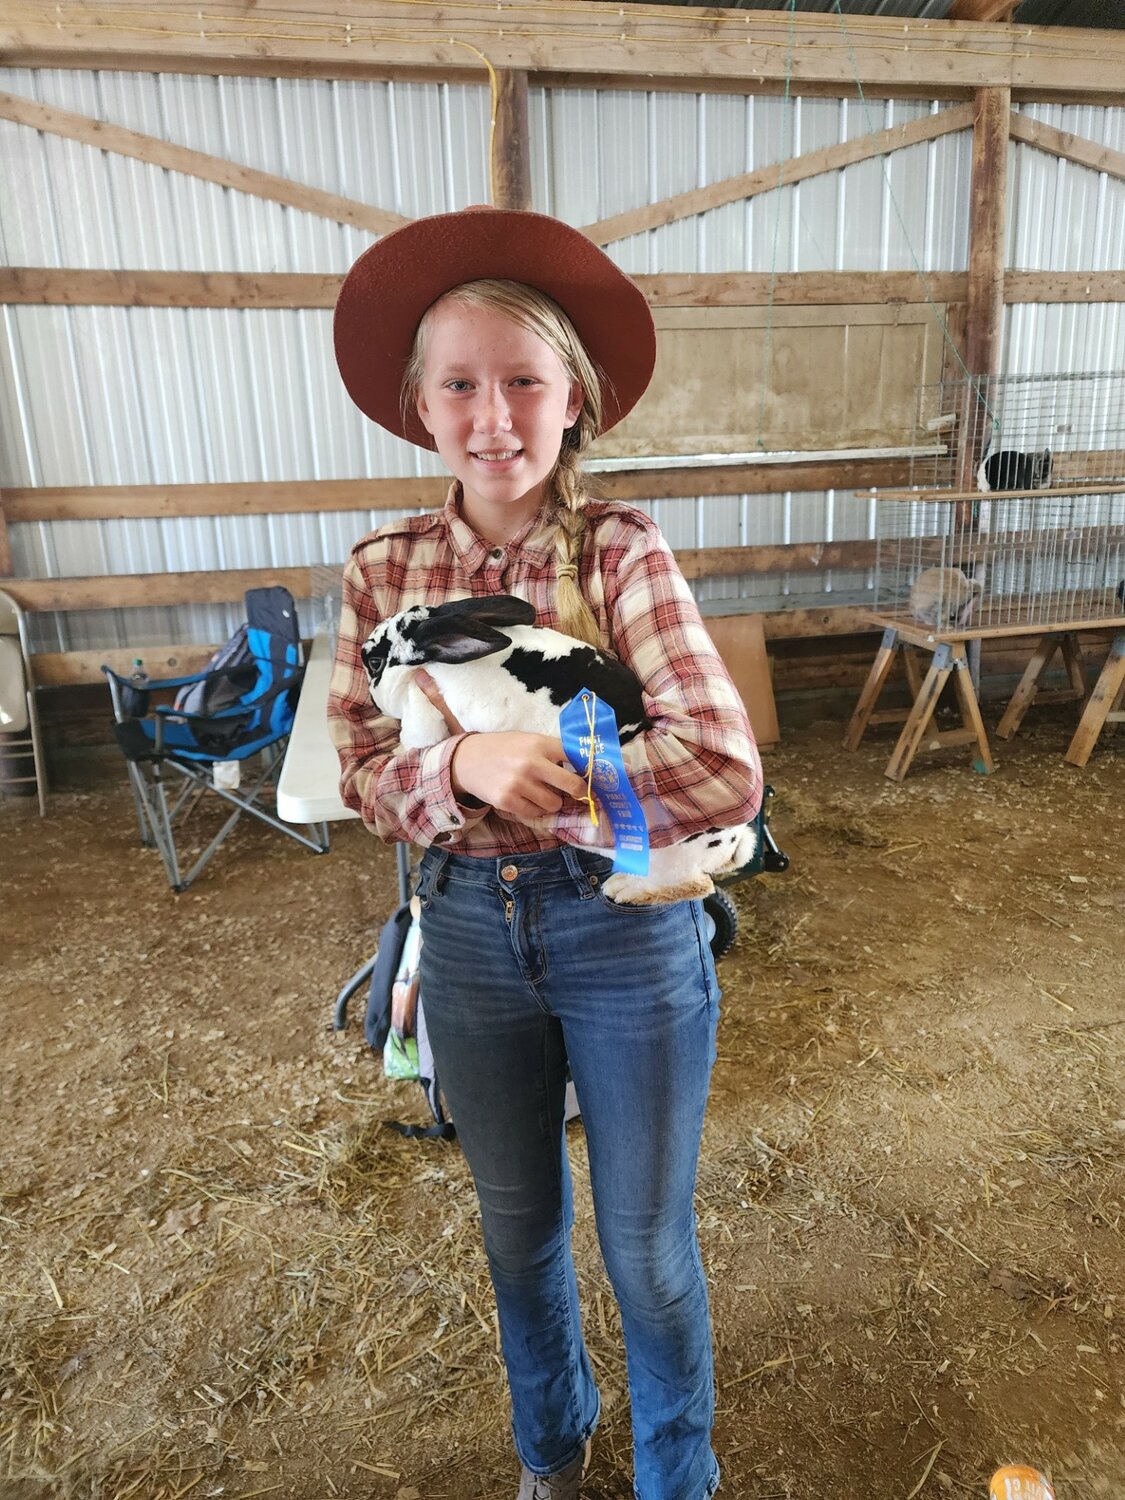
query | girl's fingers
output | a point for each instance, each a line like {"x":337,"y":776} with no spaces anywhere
{"x":433,"y":693}
{"x":521,"y":774}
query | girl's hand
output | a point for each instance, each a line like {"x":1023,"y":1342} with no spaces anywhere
{"x":525,"y":775}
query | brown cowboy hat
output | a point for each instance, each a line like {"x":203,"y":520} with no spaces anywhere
{"x":391,"y":285}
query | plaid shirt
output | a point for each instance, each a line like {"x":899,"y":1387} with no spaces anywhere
{"x":696,"y":768}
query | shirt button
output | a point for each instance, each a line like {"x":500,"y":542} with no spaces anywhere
{"x":509,"y":872}
{"x":496,"y":554}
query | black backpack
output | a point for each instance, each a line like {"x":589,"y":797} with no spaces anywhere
{"x":405,"y":1050}
{"x":235,"y":662}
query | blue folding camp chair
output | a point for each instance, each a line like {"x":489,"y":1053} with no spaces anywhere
{"x":258,"y":697}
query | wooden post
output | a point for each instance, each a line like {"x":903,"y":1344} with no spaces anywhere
{"x":988,"y":197}
{"x":985,"y":312}
{"x":511,"y":163}
{"x":6,"y":565}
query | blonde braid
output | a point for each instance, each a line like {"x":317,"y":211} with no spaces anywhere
{"x":576,"y":618}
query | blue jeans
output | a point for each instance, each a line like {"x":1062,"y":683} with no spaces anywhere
{"x":526,"y":967}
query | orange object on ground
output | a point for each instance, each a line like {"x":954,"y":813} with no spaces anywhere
{"x":1018,"y":1482}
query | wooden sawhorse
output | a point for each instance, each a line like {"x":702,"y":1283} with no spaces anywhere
{"x":1103,"y":706}
{"x":1029,"y":689}
{"x":949,"y":657}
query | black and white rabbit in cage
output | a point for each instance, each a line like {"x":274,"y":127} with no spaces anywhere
{"x":1008,"y":469}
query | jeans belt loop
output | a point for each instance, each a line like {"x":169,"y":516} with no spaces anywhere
{"x":573,"y":862}
{"x":431,"y":872}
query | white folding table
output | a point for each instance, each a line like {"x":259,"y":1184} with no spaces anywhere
{"x":309,"y":788}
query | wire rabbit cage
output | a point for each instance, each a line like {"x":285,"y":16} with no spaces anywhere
{"x":1019,"y":523}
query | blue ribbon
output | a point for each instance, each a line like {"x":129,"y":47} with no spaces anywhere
{"x":589,"y":735}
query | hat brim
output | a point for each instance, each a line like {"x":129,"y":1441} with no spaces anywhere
{"x":390,"y":286}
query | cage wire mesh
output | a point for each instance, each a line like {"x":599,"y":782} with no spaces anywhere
{"x":1020,"y":521}
{"x":325,"y":584}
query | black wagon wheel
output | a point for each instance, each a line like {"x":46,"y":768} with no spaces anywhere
{"x":722,"y":922}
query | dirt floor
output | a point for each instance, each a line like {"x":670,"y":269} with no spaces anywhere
{"x":223,"y":1275}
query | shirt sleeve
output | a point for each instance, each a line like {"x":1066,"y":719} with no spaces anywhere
{"x":405,"y":796}
{"x":697,"y":767}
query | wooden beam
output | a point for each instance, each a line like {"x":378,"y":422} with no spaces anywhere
{"x":780,"y":174}
{"x":74,"y":288}
{"x":987,"y":199}
{"x":1064,"y":286}
{"x":511,"y":151}
{"x":312,"y":496}
{"x":309,"y":496}
{"x":84,"y":668}
{"x":7,"y":567}
{"x":797,"y":288}
{"x":21,"y":285}
{"x":228,"y":174}
{"x":137,"y":590}
{"x":77,"y":288}
{"x":1075,"y":148}
{"x":746,"y":479}
{"x":55,"y":669}
{"x":124,"y":591}
{"x":799,"y":624}
{"x":795,"y":557}
{"x":974,"y":496}
{"x":349,"y":37}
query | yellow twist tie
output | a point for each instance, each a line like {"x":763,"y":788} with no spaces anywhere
{"x":589,"y":701}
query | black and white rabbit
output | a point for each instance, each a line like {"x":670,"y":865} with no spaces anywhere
{"x":1009,"y":470}
{"x":498,"y":670}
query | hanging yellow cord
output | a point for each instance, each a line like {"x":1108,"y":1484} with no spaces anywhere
{"x":589,"y":703}
{"x":494,"y":89}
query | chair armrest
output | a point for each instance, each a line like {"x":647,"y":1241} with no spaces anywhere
{"x":159,"y":682}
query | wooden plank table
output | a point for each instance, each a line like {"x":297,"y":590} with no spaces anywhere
{"x":949,"y":657}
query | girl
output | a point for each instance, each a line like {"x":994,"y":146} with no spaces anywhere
{"x":508,"y":341}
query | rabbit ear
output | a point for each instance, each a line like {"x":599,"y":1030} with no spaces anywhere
{"x":452,"y":639}
{"x":493,"y":609}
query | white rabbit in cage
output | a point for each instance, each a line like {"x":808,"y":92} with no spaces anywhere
{"x":943,"y":598}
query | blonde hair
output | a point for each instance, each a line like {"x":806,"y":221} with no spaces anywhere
{"x":565,"y":488}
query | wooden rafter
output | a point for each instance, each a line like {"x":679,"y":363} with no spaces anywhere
{"x":780,"y":174}
{"x":512,"y":177}
{"x":228,"y":174}
{"x":1075,"y":148}
{"x":355,"y":38}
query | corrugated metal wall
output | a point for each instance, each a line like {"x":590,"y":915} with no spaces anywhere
{"x":162,"y":395}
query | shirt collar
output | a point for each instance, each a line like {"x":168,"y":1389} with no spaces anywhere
{"x":534,"y":545}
